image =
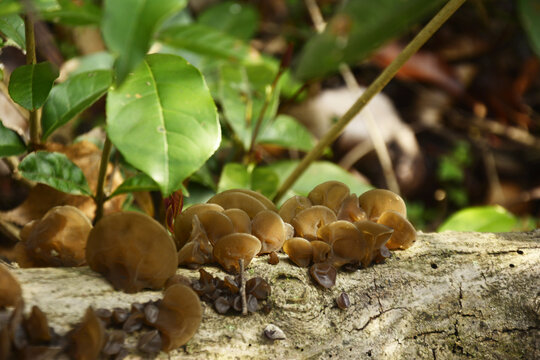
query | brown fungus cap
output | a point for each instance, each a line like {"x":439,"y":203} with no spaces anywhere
{"x":263,"y":199}
{"x":293,"y":206}
{"x":184,"y":220}
{"x":404,"y":233}
{"x":88,"y":338}
{"x":300,"y":251}
{"x":307,"y":222}
{"x":240,"y":220}
{"x":233,"y":247}
{"x":330,"y":194}
{"x":10,"y":290}
{"x":240,"y":200}
{"x":376,"y":236}
{"x":270,"y":229}
{"x":376,"y":201}
{"x":350,"y":210}
{"x":58,"y":238}
{"x":348,"y":243}
{"x":179,"y":317}
{"x":215,"y":224}
{"x":132,"y":251}
{"x":321,"y":251}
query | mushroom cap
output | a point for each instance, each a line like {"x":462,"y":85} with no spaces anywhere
{"x":215,"y":224}
{"x":376,"y":236}
{"x":337,"y":230}
{"x":404,"y":234}
{"x":330,"y":194}
{"x":257,"y":195}
{"x":233,"y":247}
{"x":299,"y":250}
{"x":183,"y":222}
{"x":293,"y":206}
{"x":10,"y":290}
{"x":324,"y":274}
{"x":240,"y":200}
{"x":348,"y":243}
{"x":308,"y":221}
{"x":58,"y":238}
{"x":270,"y":229}
{"x":179,"y":317}
{"x":350,"y":210}
{"x":132,"y":251}
{"x":88,"y":338}
{"x":376,"y":201}
{"x":240,"y":220}
{"x":321,"y":251}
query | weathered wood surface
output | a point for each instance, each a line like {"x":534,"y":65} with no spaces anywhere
{"x":452,"y":295}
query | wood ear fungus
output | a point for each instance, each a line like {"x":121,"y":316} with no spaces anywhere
{"x":307,"y":222}
{"x":10,"y":290}
{"x":404,"y":234}
{"x":233,"y":247}
{"x":330,"y":194}
{"x":299,"y":250}
{"x":376,"y":201}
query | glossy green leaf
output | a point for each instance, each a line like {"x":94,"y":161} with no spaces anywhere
{"x":265,"y":181}
{"x":128,"y":28}
{"x":481,"y":219}
{"x":10,"y":142}
{"x":73,"y":96}
{"x":96,"y":61}
{"x":13,"y":27}
{"x":205,"y":40}
{"x":10,"y":7}
{"x":55,"y":170}
{"x":139,"y":182}
{"x":529,"y":13}
{"x":232,"y":17}
{"x":287,"y":132}
{"x":318,"y":172}
{"x":234,"y":176}
{"x":242,"y":93}
{"x":69,"y":12}
{"x":163,"y":120}
{"x":358,"y":29}
{"x":29,"y":85}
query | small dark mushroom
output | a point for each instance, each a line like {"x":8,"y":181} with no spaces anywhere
{"x":273,"y":332}
{"x":132,"y":251}
{"x":37,"y":326}
{"x":150,"y":342}
{"x":324,"y":274}
{"x":222,"y":305}
{"x":299,"y":250}
{"x":273,"y":258}
{"x":87,"y":338}
{"x":233,"y":247}
{"x":258,"y":287}
{"x":343,"y":301}
{"x":180,"y":314}
{"x":114,"y":342}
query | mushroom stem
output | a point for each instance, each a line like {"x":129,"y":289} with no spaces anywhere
{"x":100,"y":191}
{"x":243,"y":287}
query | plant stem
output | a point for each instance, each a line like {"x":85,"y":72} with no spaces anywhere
{"x":243,"y":287}
{"x":100,"y":191}
{"x":35,"y":126}
{"x":374,"y":88}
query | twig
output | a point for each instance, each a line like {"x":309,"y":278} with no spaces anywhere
{"x":100,"y":191}
{"x":243,"y":288}
{"x":12,"y":163}
{"x":35,"y":126}
{"x":375,"y":87}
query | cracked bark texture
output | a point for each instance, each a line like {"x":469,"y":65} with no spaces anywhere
{"x":451,"y":295}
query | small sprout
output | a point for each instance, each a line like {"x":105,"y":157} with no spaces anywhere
{"x":307,"y":222}
{"x":10,"y":290}
{"x":324,"y":274}
{"x":299,"y":250}
{"x":239,"y":200}
{"x":343,"y":301}
{"x":184,"y":220}
{"x":376,"y":201}
{"x":330,"y":194}
{"x":132,"y":251}
{"x":270,"y":229}
{"x":240,"y":220}
{"x":293,"y":206}
{"x":233,"y":247}
{"x":273,"y":332}
{"x":404,"y":234}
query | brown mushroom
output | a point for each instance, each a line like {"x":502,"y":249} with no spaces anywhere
{"x":321,"y":251}
{"x":199,"y":250}
{"x":132,"y":251}
{"x":240,"y":220}
{"x":404,"y":234}
{"x":58,"y":238}
{"x":263,"y":199}
{"x":270,"y":229}
{"x":376,"y":201}
{"x":215,"y":224}
{"x":350,"y":210}
{"x":348,"y":243}
{"x":233,"y":247}
{"x":307,"y":222}
{"x":324,"y":274}
{"x":37,"y":326}
{"x":240,"y":200}
{"x":10,"y":290}
{"x":179,"y":317}
{"x":184,"y":220}
{"x":299,"y":250}
{"x":330,"y":194}
{"x":376,"y":236}
{"x":88,"y":338}
{"x":293,"y":206}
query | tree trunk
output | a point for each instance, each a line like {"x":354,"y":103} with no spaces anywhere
{"x":451,"y":295}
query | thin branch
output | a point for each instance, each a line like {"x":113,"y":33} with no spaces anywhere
{"x":375,"y":87}
{"x":35,"y":126}
{"x":100,"y":191}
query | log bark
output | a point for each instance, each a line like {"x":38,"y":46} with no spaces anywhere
{"x":451,"y":295}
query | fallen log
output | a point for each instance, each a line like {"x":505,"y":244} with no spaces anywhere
{"x":451,"y":295}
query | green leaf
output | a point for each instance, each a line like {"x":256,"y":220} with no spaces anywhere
{"x":128,"y":28}
{"x":234,"y":176}
{"x":529,"y":13}
{"x":29,"y":85}
{"x":204,"y":40}
{"x":232,"y":17}
{"x":318,"y":172}
{"x":265,"y":181}
{"x":481,"y":219}
{"x":358,"y":29}
{"x":73,"y":96}
{"x":163,"y":120}
{"x":139,"y":182}
{"x":10,"y":7}
{"x":69,"y":12}
{"x":242,"y":93}
{"x":55,"y":170}
{"x":96,"y":61}
{"x":10,"y":142}
{"x":287,"y":132}
{"x":13,"y":27}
